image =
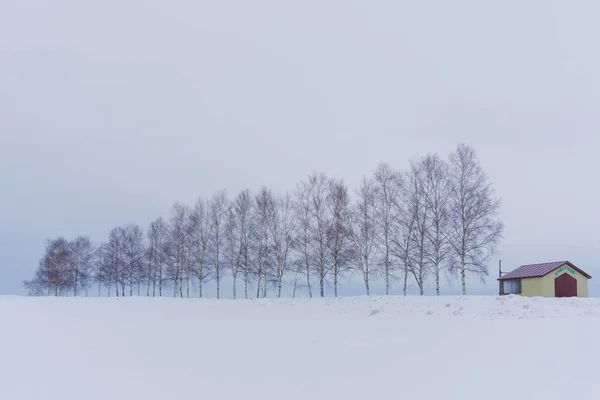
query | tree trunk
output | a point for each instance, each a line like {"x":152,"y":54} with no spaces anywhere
{"x":200,"y":285}
{"x":234,"y":286}
{"x":258,"y":283}
{"x":308,"y":282}
{"x":463,"y":277}
{"x":218,"y":279}
{"x":387,"y":271}
{"x":160,"y":283}
{"x":181,"y":284}
{"x":265,"y":286}
{"x":421,"y":283}
{"x":335,"y":285}
{"x":154,"y":285}
{"x":322,"y":285}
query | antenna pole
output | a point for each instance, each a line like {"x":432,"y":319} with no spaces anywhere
{"x":499,"y":276}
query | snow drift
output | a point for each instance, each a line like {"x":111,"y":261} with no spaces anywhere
{"x":347,"y":348}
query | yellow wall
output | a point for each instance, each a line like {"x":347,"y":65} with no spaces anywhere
{"x":533,"y":287}
{"x":544,"y":286}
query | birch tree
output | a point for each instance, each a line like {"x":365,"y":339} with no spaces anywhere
{"x":319,"y":220}
{"x":389,"y":186}
{"x":83,"y":258}
{"x":263,"y":218}
{"x":417,"y":213}
{"x":439,"y":218}
{"x":155,"y":254}
{"x":303,"y":242}
{"x":231,"y":248}
{"x":282,"y":231}
{"x":242,"y":210}
{"x":189,"y":265}
{"x":339,"y":232}
{"x":218,"y":213}
{"x":53,"y":276}
{"x":437,"y":195}
{"x":365,"y":229}
{"x":201,"y":244}
{"x":116,"y":259}
{"x":102,"y":274}
{"x":133,"y":251}
{"x":403,"y":223}
{"x":175,"y":247}
{"x":475,"y":229}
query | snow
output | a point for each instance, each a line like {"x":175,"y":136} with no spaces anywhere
{"x":464,"y":348}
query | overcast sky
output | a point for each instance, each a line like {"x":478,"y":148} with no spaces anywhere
{"x":110,"y":111}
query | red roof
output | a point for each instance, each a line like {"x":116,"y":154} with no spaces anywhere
{"x":539,"y":270}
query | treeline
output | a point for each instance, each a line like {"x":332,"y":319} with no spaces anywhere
{"x":438,"y":219}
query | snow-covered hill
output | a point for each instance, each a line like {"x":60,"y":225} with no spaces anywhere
{"x":479,"y":348}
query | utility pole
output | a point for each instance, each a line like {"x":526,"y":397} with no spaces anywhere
{"x":500,"y":273}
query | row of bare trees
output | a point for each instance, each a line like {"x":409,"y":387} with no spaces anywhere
{"x":437,"y":220}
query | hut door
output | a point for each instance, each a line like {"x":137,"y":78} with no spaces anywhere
{"x":565,"y":286}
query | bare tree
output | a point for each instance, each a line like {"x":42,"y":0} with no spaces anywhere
{"x":389,"y":186}
{"x":155,"y":254}
{"x":417,"y":213}
{"x":264,"y":211}
{"x":82,"y":263}
{"x":282,"y":231}
{"x":53,"y":275}
{"x":103,"y":273}
{"x":175,"y":247}
{"x":231,"y":247}
{"x":38,"y":286}
{"x":318,"y":185}
{"x":474,"y":228}
{"x":436,"y":219}
{"x":134,"y":251}
{"x":218,"y":214}
{"x":365,"y":229}
{"x":67,"y":267}
{"x":242,"y":214}
{"x":303,"y":239}
{"x":437,"y":194}
{"x":116,"y":262}
{"x":189,"y":265}
{"x":402,"y":226}
{"x":339,"y":232}
{"x":201,"y":239}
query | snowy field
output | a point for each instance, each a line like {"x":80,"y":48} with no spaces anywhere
{"x":479,"y":348}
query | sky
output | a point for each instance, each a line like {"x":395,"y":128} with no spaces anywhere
{"x":112,"y":111}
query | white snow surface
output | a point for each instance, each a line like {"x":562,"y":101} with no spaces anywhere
{"x":464,"y":348}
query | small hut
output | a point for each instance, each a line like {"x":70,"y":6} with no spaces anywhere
{"x":552,"y":279}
